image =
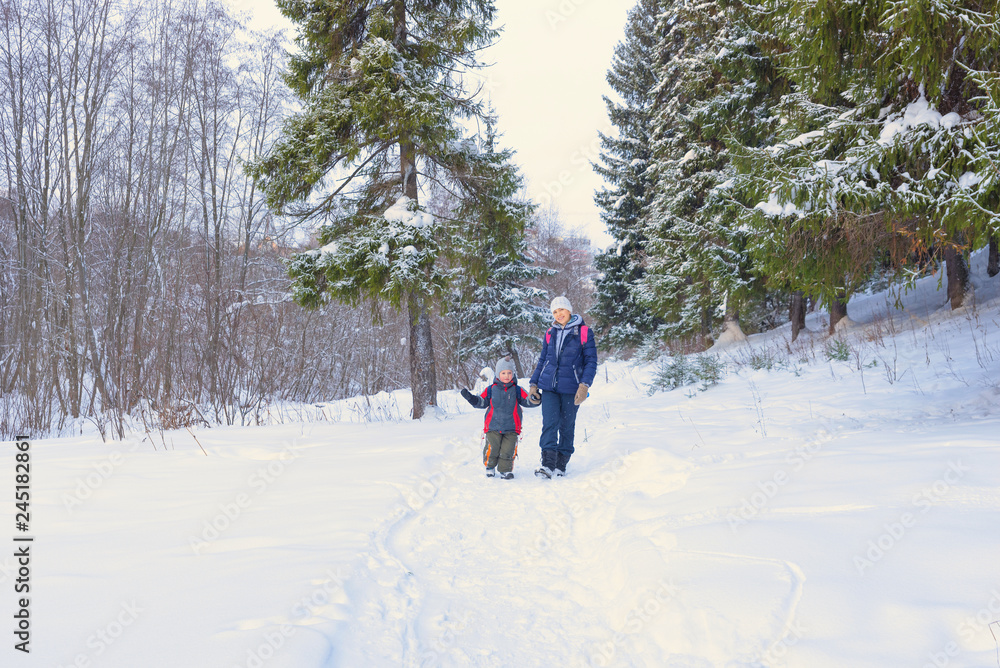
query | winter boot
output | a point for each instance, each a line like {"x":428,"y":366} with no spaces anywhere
{"x":548,"y":464}
{"x":491,"y":472}
{"x":509,"y":475}
{"x":562,"y":459}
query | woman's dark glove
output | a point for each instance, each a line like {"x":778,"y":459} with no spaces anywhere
{"x":534,"y":396}
{"x":470,"y":397}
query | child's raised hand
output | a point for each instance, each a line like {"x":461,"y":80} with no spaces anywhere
{"x":470,"y":397}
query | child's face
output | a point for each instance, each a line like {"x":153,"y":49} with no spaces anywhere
{"x":561,"y":316}
{"x":505,"y":376}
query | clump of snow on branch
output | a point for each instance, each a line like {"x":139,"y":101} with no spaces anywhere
{"x":917,"y":113}
{"x":774,"y":207}
{"x":407,"y":212}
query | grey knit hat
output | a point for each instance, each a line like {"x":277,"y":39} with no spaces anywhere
{"x":505,"y":364}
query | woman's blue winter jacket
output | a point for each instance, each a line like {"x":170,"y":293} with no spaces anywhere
{"x":566,"y":360}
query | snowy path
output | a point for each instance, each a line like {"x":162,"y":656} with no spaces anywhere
{"x":531,"y":573}
{"x":628,"y":561}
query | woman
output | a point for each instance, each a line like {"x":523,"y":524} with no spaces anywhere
{"x":564,"y":373}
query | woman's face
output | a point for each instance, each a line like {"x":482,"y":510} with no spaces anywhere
{"x":561,"y":316}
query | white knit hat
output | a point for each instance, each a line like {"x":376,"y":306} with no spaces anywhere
{"x":560,"y":302}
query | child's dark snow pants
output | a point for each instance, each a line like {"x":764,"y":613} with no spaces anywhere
{"x":500,"y":450}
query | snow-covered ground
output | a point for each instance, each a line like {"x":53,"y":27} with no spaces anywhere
{"x":817,"y":514}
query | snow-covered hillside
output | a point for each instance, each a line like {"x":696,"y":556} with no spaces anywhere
{"x":806,"y":511}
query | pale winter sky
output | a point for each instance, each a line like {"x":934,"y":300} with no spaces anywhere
{"x":546,"y":81}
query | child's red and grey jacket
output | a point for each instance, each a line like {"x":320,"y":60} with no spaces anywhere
{"x":503,"y":402}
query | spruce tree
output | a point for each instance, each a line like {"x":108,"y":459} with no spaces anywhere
{"x":665,"y":288}
{"x":714,"y":89}
{"x":382,"y":96}
{"x":497,"y":317}
{"x":733,"y":107}
{"x":980,"y":192}
{"x":876,"y":155}
{"x":624,"y":163}
{"x":932,"y":143}
{"x":494,"y":310}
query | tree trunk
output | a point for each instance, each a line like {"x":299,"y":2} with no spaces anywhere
{"x":423,"y":375}
{"x":838,"y":310}
{"x":958,"y":276}
{"x":993,"y":266}
{"x":517,"y":360}
{"x":797,"y":313}
{"x":706,"y":326}
{"x":407,"y":151}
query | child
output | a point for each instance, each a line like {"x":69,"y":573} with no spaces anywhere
{"x":504,"y":399}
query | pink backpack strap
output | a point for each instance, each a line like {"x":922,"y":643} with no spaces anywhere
{"x":548,"y":336}
{"x":583,"y":334}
